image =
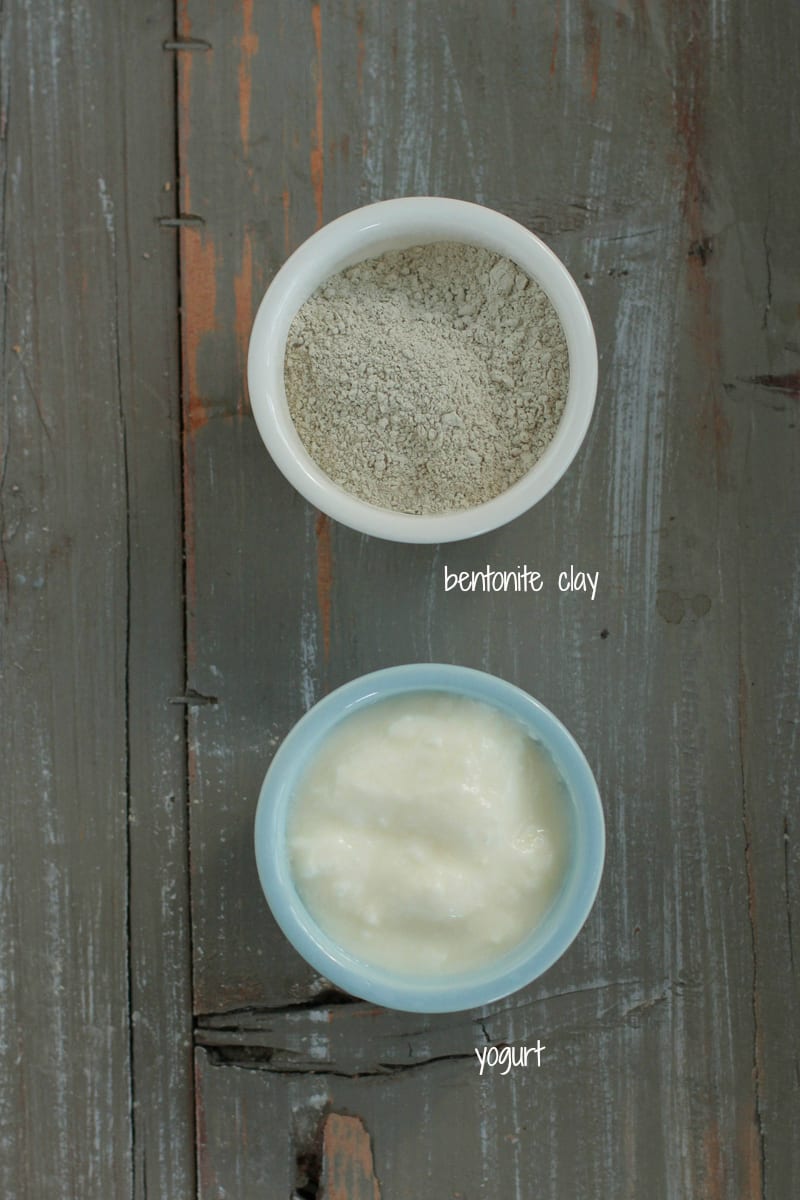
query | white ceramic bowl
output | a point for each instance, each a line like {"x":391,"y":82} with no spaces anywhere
{"x":366,"y":233}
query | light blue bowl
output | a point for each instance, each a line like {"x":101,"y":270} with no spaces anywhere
{"x":471,"y":989}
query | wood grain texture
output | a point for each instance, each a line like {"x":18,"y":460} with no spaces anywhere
{"x":265,"y":668}
{"x":65,"y":1100}
{"x":643,"y":142}
{"x":95,"y":1024}
{"x":160,"y":959}
{"x":655,"y":147}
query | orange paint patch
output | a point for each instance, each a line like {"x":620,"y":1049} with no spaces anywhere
{"x":286,"y":201}
{"x":187,"y":240}
{"x":248,"y":45}
{"x":317,"y":155}
{"x":243,"y":302}
{"x":748,"y":1146}
{"x":714,"y":1169}
{"x":199,"y":299}
{"x":324,"y":578}
{"x":348,"y":1170}
{"x":184,"y":101}
{"x":198,"y":266}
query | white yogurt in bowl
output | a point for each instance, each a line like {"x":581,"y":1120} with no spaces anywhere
{"x":429,"y":834}
{"x":430,"y":838}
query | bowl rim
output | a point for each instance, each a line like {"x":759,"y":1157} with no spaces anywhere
{"x":472,"y":989}
{"x":369,"y":231}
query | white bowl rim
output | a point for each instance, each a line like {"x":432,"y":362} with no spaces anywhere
{"x":367,"y":232}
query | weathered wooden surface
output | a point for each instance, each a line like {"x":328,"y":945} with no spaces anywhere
{"x":655,"y":147}
{"x":642,"y":141}
{"x":95,"y":1024}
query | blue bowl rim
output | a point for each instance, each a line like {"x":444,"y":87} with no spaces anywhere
{"x":474,"y":989}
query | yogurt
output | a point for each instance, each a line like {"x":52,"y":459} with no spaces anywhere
{"x":429,"y":835}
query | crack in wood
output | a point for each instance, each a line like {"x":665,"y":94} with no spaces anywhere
{"x":188,"y":44}
{"x":318,"y":1042}
{"x":194,"y":699}
{"x":182,"y":219}
{"x":309,"y":1174}
{"x":251,"y":1020}
{"x":261,"y":1058}
{"x":181,"y":116}
{"x":232,"y":1019}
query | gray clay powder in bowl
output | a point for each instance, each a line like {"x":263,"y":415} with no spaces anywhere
{"x":427,"y":380}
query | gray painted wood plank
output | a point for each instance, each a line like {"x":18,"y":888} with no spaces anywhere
{"x":262,"y":665}
{"x":65,"y":1106}
{"x":92,"y":623}
{"x":642,"y":143}
{"x":147,"y":266}
{"x":763,"y":392}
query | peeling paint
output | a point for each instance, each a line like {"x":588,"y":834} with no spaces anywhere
{"x":199,"y":265}
{"x":348,"y":1171}
{"x":714,"y":1169}
{"x":243,"y":303}
{"x":248,"y":44}
{"x":185,"y":63}
{"x":197,"y":253}
{"x":193,"y":414}
{"x":749,"y":1153}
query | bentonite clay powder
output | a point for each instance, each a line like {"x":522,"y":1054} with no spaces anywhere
{"x":427,"y":380}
